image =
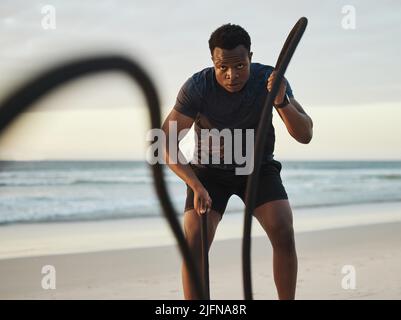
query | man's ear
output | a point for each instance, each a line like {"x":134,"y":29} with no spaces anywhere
{"x":250,"y":56}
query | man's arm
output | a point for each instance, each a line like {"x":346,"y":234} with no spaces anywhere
{"x":202,"y":201}
{"x":298,"y":123}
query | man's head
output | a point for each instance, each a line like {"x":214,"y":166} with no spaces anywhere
{"x":230,"y":46}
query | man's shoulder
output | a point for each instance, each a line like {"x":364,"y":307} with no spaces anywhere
{"x":202,"y":80}
{"x":202,"y":75}
{"x":259,"y":69}
{"x":205,"y":72}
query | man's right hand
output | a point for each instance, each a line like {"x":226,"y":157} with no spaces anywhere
{"x":202,"y":200}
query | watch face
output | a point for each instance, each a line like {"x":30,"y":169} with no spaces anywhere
{"x":283,"y":104}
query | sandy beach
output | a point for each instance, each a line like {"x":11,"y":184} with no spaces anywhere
{"x":154,"y":272}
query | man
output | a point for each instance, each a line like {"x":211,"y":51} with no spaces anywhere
{"x":230,"y":95}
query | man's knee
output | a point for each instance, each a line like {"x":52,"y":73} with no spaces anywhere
{"x":281,"y":235}
{"x":276,"y":218}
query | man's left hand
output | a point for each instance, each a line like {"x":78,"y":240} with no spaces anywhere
{"x":281,"y":92}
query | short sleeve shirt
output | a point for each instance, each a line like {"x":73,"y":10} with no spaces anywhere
{"x":203,"y":99}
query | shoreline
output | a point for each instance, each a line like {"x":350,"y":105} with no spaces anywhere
{"x":43,"y":239}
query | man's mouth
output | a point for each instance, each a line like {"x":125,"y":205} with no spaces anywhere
{"x":233,"y":85}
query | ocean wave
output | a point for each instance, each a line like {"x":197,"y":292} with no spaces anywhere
{"x":394,"y":176}
{"x":79,"y":192}
{"x":151,"y":212}
{"x":70,"y":182}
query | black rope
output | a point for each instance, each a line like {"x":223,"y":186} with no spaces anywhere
{"x":205,"y":255}
{"x":33,"y":90}
{"x":281,"y":66}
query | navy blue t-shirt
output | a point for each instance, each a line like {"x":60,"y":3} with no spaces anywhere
{"x":203,"y":99}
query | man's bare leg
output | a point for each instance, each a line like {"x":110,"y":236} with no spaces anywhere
{"x":276,"y":219}
{"x":192,"y":231}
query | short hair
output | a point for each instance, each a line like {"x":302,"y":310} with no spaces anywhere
{"x":229,"y":36}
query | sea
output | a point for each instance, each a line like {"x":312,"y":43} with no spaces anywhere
{"x":57,"y":191}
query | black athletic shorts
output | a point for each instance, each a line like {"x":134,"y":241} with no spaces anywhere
{"x":221,"y":184}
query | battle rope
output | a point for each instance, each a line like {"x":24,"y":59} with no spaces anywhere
{"x":36,"y":88}
{"x":205,"y":255}
{"x":281,"y":66}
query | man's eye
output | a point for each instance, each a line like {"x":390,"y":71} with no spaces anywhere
{"x":240,"y":66}
{"x":223,"y":68}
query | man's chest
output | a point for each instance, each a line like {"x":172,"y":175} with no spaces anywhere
{"x":236,"y":111}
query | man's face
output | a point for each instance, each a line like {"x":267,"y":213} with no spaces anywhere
{"x":232,"y":67}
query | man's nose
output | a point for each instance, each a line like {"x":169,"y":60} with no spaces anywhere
{"x":231,"y":74}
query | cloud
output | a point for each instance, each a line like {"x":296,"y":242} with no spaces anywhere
{"x":331,"y":64}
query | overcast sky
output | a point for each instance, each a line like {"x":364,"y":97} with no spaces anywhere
{"x":348,"y":80}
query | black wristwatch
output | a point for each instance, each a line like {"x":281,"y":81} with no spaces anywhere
{"x":283,"y":104}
